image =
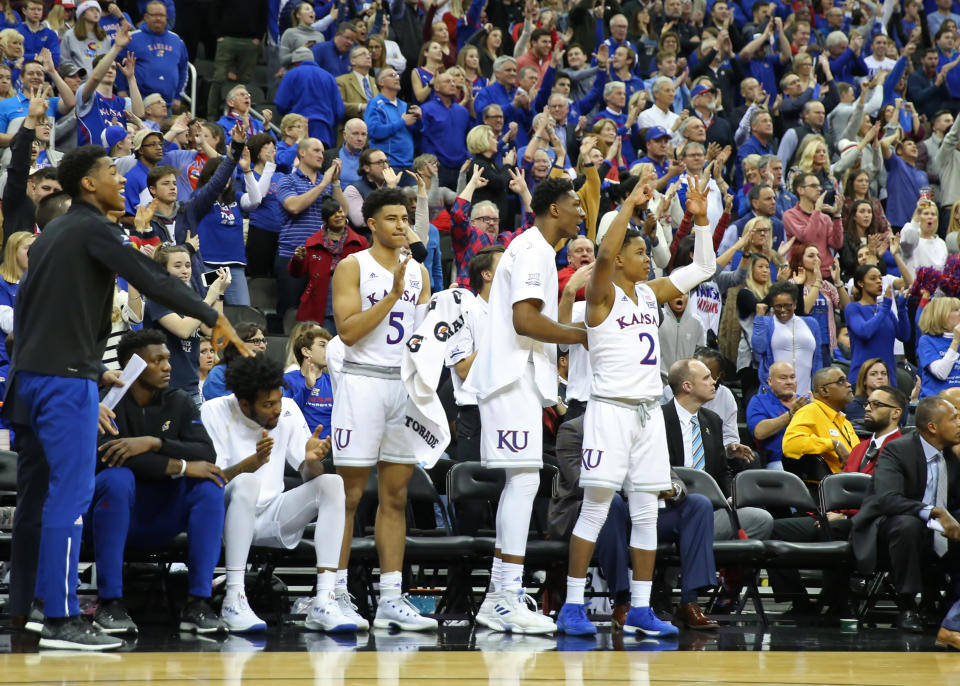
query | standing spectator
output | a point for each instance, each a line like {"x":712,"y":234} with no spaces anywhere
{"x":24,"y":191}
{"x":161,"y":57}
{"x":904,"y":180}
{"x":786,"y":337}
{"x":820,"y":297}
{"x":503,"y":91}
{"x":872,"y":375}
{"x":148,"y":151}
{"x":312,"y":92}
{"x":299,"y":193}
{"x":812,"y":221}
{"x":334,"y":55}
{"x":872,"y":322}
{"x":681,"y":332}
{"x":36,"y":36}
{"x":391,"y":123}
{"x":760,"y":141}
{"x":240,"y":24}
{"x":445,"y":126}
{"x":301,"y":35}
{"x":937,"y":348}
{"x":316,"y":259}
{"x":429,"y":64}
{"x":769,"y":413}
{"x":943,"y":12}
{"x":357,"y":87}
{"x":375,"y":172}
{"x":97,"y":106}
{"x":919,"y":240}
{"x":86,"y":40}
{"x":948,"y":164}
{"x":293,"y":129}
{"x":32,"y":79}
{"x":16,"y":252}
{"x":238,"y":112}
{"x":267,"y":219}
{"x":354,"y":143}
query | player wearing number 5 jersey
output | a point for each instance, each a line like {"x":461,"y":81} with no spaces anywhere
{"x":377,"y":296}
{"x":624,"y":440}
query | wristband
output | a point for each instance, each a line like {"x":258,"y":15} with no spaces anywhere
{"x":183,"y":469}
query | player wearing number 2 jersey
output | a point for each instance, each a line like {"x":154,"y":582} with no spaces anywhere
{"x":624,"y":440}
{"x":377,"y":297}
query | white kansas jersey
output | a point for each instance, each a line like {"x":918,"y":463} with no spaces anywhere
{"x":625,"y":348}
{"x":384,"y":345}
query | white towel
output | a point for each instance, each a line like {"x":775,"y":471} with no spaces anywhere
{"x":420,"y":370}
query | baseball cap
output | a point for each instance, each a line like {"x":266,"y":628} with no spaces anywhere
{"x":68,"y":4}
{"x":67,"y":69}
{"x":655,"y":132}
{"x":141,"y":135}
{"x":301,"y":55}
{"x":111,"y":136}
{"x":700,"y":88}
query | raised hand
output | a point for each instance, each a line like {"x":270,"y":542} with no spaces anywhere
{"x":697,"y":194}
{"x":244,"y":162}
{"x":391,"y":177}
{"x":317,"y":448}
{"x":477,"y":179}
{"x":264,"y":448}
{"x":192,"y":240}
{"x":128,"y":67}
{"x":239,"y":133}
{"x":421,"y":184}
{"x":518,"y":181}
{"x":122,"y":37}
{"x":145,"y":212}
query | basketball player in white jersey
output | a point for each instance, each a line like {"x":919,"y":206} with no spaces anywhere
{"x":624,"y":441}
{"x":377,"y":299}
{"x":514,"y":376}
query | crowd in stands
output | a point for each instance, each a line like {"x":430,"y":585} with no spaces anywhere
{"x":829,"y":132}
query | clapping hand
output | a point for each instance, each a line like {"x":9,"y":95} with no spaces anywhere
{"x":238,"y":133}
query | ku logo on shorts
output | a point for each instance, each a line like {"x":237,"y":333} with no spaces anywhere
{"x":341,"y":438}
{"x":590,"y":458}
{"x":510,"y":440}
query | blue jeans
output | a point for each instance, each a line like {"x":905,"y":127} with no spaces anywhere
{"x":237,"y":292}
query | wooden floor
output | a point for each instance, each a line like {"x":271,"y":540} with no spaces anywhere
{"x":477,"y":667}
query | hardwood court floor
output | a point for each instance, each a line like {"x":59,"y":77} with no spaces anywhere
{"x":794,"y":656}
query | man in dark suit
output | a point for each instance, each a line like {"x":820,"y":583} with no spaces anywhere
{"x":695,"y":439}
{"x":686,"y":519}
{"x":910,"y":498}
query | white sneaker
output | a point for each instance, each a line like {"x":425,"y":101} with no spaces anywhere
{"x":486,"y":615}
{"x":325,"y":615}
{"x":238,"y":616}
{"x":400,"y":613}
{"x":512,"y":614}
{"x":531,"y":603}
{"x":349,"y":611}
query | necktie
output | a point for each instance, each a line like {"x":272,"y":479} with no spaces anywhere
{"x":696,"y":443}
{"x":939,"y":540}
{"x":870,"y":456}
{"x":366,"y":87}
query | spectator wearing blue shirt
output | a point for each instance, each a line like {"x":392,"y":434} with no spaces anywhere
{"x":310,"y":385}
{"x":12,"y":109}
{"x":97,"y":106}
{"x":309,"y":90}
{"x":845,"y":60}
{"x":267,"y":219}
{"x":766,"y":68}
{"x":391,"y":123}
{"x":760,"y":141}
{"x":944,"y":12}
{"x":937,"y":347}
{"x":445,"y":126}
{"x":502,"y":91}
{"x":170,"y":5}
{"x":36,"y":36}
{"x":148,"y":150}
{"x":238,"y":112}
{"x":161,"y":57}
{"x":333,"y":56}
{"x":904,"y":180}
{"x":770,"y":411}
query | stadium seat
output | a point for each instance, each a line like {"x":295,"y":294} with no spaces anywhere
{"x":244,"y":313}
{"x":263,"y":293}
{"x":277,"y":349}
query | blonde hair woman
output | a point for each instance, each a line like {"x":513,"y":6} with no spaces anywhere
{"x":953,"y":227}
{"x":937,"y":349}
{"x":11,"y":45}
{"x":15,"y":260}
{"x":921,"y":245}
{"x":814,"y":159}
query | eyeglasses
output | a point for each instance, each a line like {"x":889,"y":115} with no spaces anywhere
{"x":257,"y":341}
{"x":844,"y":381}
{"x":784,"y":306}
{"x":378,"y":163}
{"x":877,"y":404}
{"x":489,"y":220}
{"x":494,"y":116}
{"x":813,"y":185}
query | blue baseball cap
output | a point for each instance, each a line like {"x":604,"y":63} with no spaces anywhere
{"x":655,"y":132}
{"x":700,"y":88}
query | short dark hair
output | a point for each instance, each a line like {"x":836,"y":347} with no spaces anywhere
{"x":329,"y":207}
{"x":345,"y":26}
{"x":538,"y":34}
{"x":132,"y":341}
{"x":51,"y":207}
{"x":44,"y":173}
{"x":305,"y":339}
{"x":547,"y":193}
{"x":382,"y":197}
{"x":256,"y":142}
{"x":248,"y":376}
{"x":158,"y":172}
{"x":801,"y":179}
{"x":754,"y":193}
{"x":366,"y":155}
{"x":781,"y":288}
{"x":480,"y":263}
{"x":928,"y":411}
{"x":899,"y":397}
{"x":76,"y":164}
{"x":245,"y":331}
{"x":628,"y":237}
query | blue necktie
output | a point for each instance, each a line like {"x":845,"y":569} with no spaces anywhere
{"x":366,"y":88}
{"x":696,"y":443}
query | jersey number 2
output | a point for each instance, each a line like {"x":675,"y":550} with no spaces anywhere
{"x":649,"y":357}
{"x":396,"y":322}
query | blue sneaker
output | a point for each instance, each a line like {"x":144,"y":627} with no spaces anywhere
{"x":642,"y":620}
{"x":573,"y":620}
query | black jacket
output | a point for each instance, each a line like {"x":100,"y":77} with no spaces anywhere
{"x":172,"y":417}
{"x":19,"y":212}
{"x":711,"y":433}
{"x":896,"y":488}
{"x":65,"y":299}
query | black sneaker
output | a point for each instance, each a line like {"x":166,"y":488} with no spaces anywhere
{"x":74,"y":633}
{"x":198,"y":616}
{"x":111,"y":617}
{"x":34,"y":622}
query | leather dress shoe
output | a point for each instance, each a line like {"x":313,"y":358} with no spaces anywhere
{"x":909,"y":620}
{"x":691,"y":615}
{"x":947,"y":638}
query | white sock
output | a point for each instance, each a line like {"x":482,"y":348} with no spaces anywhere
{"x":235,"y":581}
{"x":325,"y":582}
{"x":640,"y":593}
{"x":390,"y":584}
{"x":575,"y":588}
{"x":340,"y":586}
{"x":511,"y":577}
{"x":496,"y":573}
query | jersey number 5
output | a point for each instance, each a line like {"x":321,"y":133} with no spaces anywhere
{"x":396,"y":322}
{"x":649,"y":357}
